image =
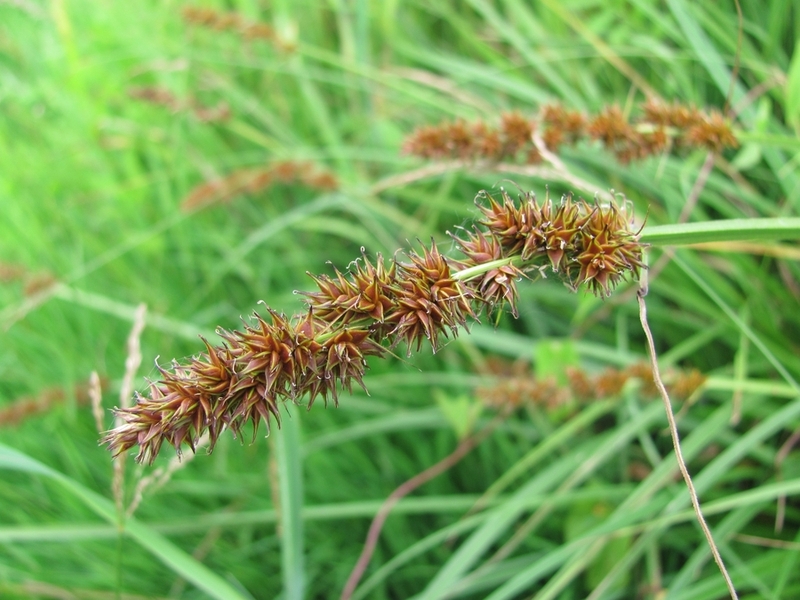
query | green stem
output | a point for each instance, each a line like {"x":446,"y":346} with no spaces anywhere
{"x":787,"y":142}
{"x":290,"y":479}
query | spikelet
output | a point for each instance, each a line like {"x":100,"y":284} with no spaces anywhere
{"x":159,"y":96}
{"x":659,"y":128}
{"x":256,"y":180}
{"x":227,"y":21}
{"x":515,"y":388}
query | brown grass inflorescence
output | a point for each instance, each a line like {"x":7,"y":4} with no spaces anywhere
{"x":514,"y":389}
{"x":374,"y":306}
{"x":160,"y":96}
{"x":11,"y":272}
{"x":658,"y":128}
{"x":257,"y":179}
{"x":227,"y":21}
{"x":46,"y":400}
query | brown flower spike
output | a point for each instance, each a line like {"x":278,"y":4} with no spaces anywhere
{"x":371,"y":308}
{"x":658,"y":128}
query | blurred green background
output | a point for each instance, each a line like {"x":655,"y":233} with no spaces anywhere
{"x":199,"y":162}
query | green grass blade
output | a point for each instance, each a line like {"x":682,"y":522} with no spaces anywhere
{"x":288,"y":453}
{"x":744,"y":327}
{"x":728,"y":230}
{"x":168,"y":553}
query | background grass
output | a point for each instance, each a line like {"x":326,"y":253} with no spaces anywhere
{"x":91,"y":187}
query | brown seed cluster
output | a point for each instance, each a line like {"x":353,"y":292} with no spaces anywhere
{"x":227,"y":21}
{"x":587,"y":244}
{"x":374,"y":306}
{"x":515,"y":388}
{"x":21,"y":409}
{"x":658,"y":128}
{"x":32,"y":282}
{"x":38,"y":282}
{"x":160,"y":96}
{"x":255,"y":180}
{"x":11,"y":272}
{"x":474,"y":141}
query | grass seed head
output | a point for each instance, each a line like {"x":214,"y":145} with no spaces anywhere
{"x":371,"y":307}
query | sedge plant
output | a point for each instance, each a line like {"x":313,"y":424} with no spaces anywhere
{"x":377,"y":304}
{"x":378,"y":307}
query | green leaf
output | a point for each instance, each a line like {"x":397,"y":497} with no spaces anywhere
{"x":460,"y":411}
{"x":168,"y":553}
{"x":747,"y":158}
{"x":553,"y":358}
{"x":728,"y":230}
{"x":792,"y":90}
{"x":585,"y":516}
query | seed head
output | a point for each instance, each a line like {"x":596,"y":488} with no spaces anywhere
{"x":429,"y":301}
{"x":371,"y":307}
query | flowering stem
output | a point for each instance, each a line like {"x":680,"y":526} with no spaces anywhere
{"x":728,"y":230}
{"x":370,"y":308}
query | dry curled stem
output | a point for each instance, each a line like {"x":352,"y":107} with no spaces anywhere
{"x":676,"y":444}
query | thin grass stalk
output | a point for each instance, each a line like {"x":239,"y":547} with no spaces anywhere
{"x":132,"y":361}
{"x":96,"y":400}
{"x":673,"y":429}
